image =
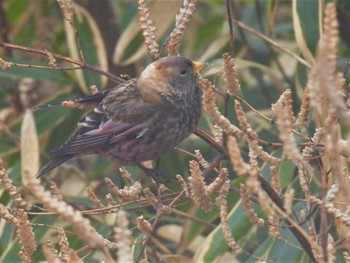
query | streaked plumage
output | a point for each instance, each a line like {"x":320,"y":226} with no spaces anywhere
{"x":139,"y":119}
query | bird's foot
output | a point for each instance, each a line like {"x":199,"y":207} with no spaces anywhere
{"x":157,"y":175}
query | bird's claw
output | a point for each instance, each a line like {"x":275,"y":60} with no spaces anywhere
{"x":156,"y":174}
{"x":159,"y":176}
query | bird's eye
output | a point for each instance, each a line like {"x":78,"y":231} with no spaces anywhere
{"x":183,"y":72}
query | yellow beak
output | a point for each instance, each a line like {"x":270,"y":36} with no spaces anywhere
{"x":197,"y":66}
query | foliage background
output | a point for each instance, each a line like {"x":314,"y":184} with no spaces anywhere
{"x":110,"y":38}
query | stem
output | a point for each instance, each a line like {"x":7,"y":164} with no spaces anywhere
{"x":81,"y":64}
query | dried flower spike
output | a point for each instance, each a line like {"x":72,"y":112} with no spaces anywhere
{"x":74,"y":105}
{"x":93,"y":89}
{"x":64,"y":246}
{"x":242,"y":119}
{"x":304,"y":109}
{"x":151,"y":198}
{"x":263,"y":155}
{"x":326,"y":85}
{"x":130,"y":193}
{"x":213,"y":111}
{"x":346,"y":256}
{"x":112,"y":186}
{"x":92,"y":196}
{"x":126,"y":175}
{"x":246,"y":203}
{"x":198,"y":187}
{"x":331,"y":209}
{"x":55,"y":191}
{"x":222,"y":204}
{"x":123,"y":237}
{"x":148,"y":29}
{"x":285,"y":123}
{"x":275,"y":179}
{"x":12,"y":190}
{"x":110,"y":200}
{"x":143,"y":224}
{"x":52,"y":60}
{"x":81,"y":225}
{"x":24,"y":257}
{"x":218,"y":182}
{"x":231,"y":80}
{"x":184,"y":185}
{"x":238,"y":164}
{"x":25,"y":234}
{"x":182,"y":21}
{"x":50,"y":252}
{"x":288,"y":200}
{"x":5,"y":65}
{"x":5,"y":214}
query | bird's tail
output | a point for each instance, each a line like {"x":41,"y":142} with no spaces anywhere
{"x":53,"y":164}
{"x":46,"y":106}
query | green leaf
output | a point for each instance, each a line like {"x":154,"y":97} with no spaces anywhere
{"x":306,"y":20}
{"x":286,"y":172}
{"x":92,"y":46}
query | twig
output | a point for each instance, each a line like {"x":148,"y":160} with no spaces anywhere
{"x":272,"y":122}
{"x":294,"y":228}
{"x":208,"y":139}
{"x":161,"y":212}
{"x":230,"y":24}
{"x":81,"y":64}
{"x":193,"y":218}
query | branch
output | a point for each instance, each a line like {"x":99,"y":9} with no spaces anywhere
{"x":81,"y":64}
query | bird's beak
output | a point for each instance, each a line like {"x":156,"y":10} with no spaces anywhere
{"x":198,"y":67}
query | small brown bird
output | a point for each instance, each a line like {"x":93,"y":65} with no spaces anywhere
{"x":139,"y":119}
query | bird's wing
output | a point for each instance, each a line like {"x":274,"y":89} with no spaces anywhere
{"x":126,"y":117}
{"x":53,"y":164}
{"x":93,"y":99}
{"x":126,"y":104}
{"x":88,"y":139}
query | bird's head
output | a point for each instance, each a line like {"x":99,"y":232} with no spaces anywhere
{"x":174,"y":75}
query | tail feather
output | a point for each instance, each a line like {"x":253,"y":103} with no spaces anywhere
{"x":92,"y":100}
{"x":46,"y":106}
{"x":53,"y":164}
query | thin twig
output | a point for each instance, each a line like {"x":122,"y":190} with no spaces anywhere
{"x":230,"y":24}
{"x":208,"y":139}
{"x":81,"y":64}
{"x":294,"y":227}
{"x":193,"y":218}
{"x":161,"y":212}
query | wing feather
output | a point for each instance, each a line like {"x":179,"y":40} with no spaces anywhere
{"x":105,"y":136}
{"x":126,"y":118}
{"x":52,"y":164}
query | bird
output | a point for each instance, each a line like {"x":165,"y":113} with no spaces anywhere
{"x":139,"y":119}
